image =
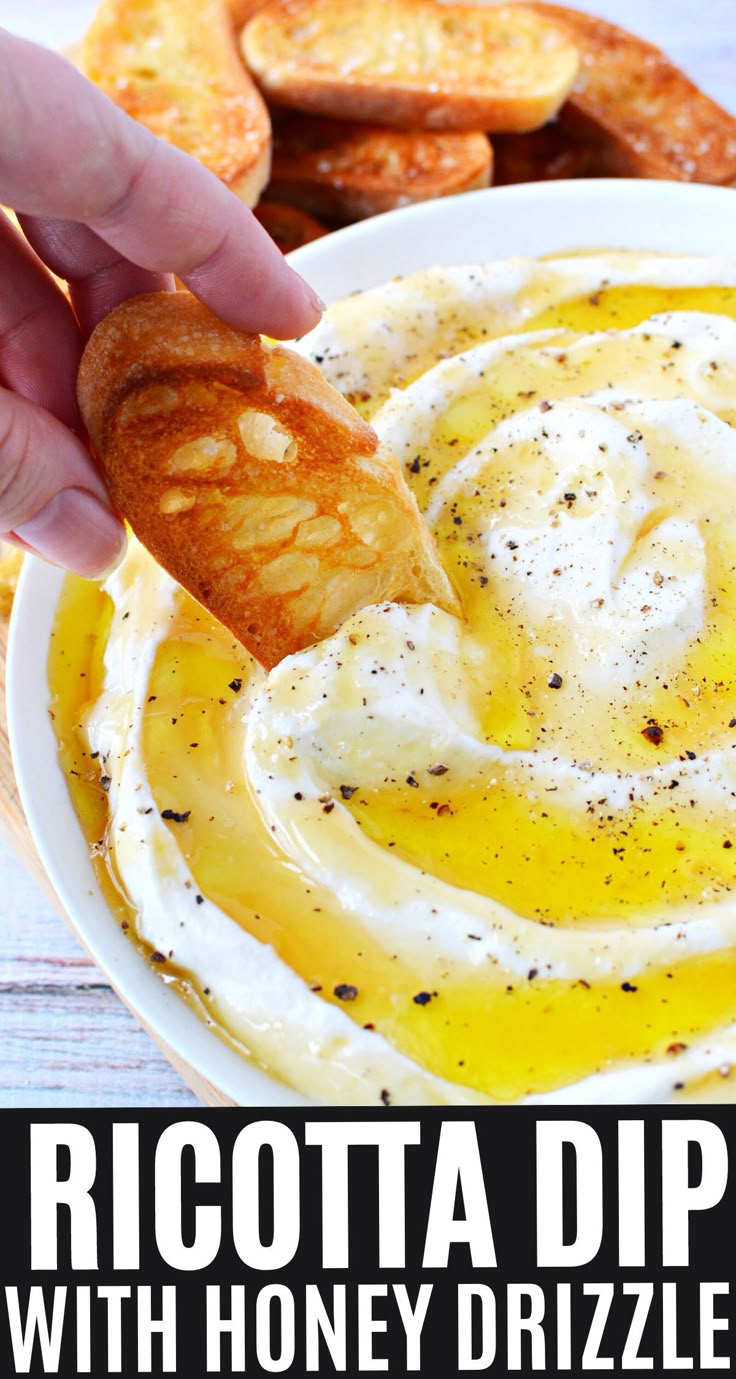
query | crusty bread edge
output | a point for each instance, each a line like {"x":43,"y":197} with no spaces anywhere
{"x":249,"y":185}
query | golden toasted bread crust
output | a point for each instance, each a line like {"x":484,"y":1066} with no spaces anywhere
{"x":413,"y":63}
{"x":543,"y":156}
{"x":344,"y":171}
{"x":243,"y":10}
{"x":249,"y":477}
{"x":288,"y":226}
{"x":11,"y":559}
{"x":176,"y":68}
{"x":640,"y":115}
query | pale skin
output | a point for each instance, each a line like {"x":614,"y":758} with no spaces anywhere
{"x":112,"y":211}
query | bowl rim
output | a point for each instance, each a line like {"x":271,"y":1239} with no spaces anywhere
{"x":531,"y":218}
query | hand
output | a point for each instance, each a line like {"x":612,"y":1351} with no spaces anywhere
{"x":113,"y":211}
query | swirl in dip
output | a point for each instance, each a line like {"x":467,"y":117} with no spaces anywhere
{"x":432,"y":860}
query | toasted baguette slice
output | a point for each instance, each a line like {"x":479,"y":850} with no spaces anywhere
{"x":243,"y":10}
{"x":641,"y":115}
{"x":177,"y":69}
{"x":11,"y":559}
{"x":248,"y":477}
{"x":544,"y":156}
{"x":345,"y":171}
{"x":413,"y":63}
{"x":288,"y":227}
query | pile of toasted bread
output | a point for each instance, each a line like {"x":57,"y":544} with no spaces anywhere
{"x":322,"y":112}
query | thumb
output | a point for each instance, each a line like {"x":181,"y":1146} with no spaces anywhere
{"x":53,"y":501}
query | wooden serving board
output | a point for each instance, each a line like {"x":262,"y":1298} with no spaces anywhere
{"x":15,"y":830}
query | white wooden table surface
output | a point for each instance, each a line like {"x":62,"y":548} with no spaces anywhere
{"x":65,"y":1039}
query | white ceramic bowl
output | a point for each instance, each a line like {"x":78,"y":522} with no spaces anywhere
{"x":529,"y":220}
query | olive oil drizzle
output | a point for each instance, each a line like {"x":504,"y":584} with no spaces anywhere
{"x":507,"y":1038}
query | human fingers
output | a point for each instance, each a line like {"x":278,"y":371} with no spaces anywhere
{"x":40,"y":341}
{"x":99,"y":277}
{"x":69,"y":153}
{"x":52,"y":499}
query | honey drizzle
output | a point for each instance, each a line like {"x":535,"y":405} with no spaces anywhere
{"x":507,"y":1038}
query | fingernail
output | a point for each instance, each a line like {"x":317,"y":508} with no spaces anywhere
{"x":77,"y":531}
{"x":316,"y":301}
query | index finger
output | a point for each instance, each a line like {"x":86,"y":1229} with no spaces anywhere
{"x":69,"y":153}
